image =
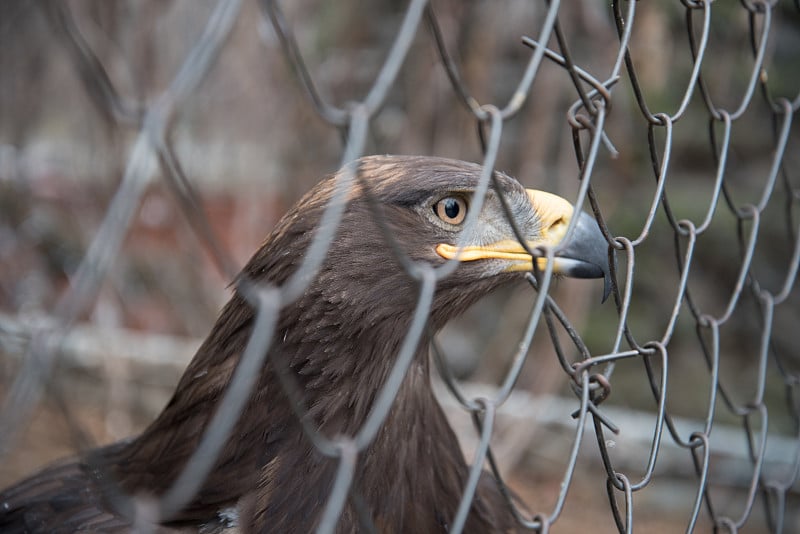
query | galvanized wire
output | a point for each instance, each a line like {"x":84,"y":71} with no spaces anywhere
{"x":598,"y":96}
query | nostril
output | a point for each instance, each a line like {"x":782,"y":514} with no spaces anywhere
{"x":557,"y":229}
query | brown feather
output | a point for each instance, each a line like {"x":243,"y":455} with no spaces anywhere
{"x":340,"y":340}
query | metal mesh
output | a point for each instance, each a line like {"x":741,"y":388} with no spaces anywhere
{"x":738,"y":207}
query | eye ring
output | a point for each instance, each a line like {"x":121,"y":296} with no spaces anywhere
{"x":452,"y":210}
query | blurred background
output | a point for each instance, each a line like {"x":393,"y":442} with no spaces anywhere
{"x":251,"y":143}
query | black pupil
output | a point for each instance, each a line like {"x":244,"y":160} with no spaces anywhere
{"x":451,"y":208}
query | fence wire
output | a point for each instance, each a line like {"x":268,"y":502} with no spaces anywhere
{"x":680,"y":218}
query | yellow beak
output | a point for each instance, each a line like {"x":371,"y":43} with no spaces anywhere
{"x":585,"y":255}
{"x":554,"y":213}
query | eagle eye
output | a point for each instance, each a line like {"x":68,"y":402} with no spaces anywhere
{"x":451,"y":210}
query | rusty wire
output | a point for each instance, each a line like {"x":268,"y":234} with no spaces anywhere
{"x":597,"y":97}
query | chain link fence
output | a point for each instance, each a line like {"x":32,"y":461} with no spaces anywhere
{"x":683,"y":146}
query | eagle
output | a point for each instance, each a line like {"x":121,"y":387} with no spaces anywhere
{"x":337,"y":340}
